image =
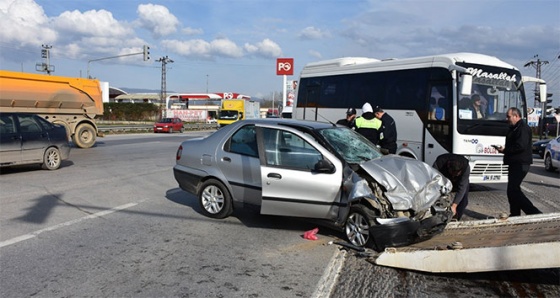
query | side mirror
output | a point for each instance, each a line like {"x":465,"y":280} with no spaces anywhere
{"x":466,"y":84}
{"x":324,"y":166}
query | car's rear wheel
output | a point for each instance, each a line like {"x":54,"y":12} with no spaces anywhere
{"x":358,"y":224}
{"x":215,"y":199}
{"x":51,"y":159}
{"x":548,"y":163}
{"x":181,"y":130}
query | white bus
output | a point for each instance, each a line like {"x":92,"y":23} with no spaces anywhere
{"x":430,"y":99}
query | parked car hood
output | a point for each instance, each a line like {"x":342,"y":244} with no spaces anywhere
{"x":409,"y":183}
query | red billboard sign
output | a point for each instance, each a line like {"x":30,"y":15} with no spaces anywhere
{"x":285,"y":66}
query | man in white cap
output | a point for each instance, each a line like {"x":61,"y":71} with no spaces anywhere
{"x":367,"y":125}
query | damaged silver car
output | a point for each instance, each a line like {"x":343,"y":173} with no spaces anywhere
{"x":315,"y":170}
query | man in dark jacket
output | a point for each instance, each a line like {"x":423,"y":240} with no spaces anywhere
{"x":456,"y":168}
{"x":518,"y":155}
{"x":350,"y":117}
{"x":388,"y":131}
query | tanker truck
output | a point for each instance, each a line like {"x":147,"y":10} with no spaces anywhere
{"x":67,"y":101}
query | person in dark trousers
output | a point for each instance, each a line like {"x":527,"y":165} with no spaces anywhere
{"x":350,"y":117}
{"x":518,"y":155}
{"x":388,"y":131}
{"x":367,"y":125}
{"x":456,"y":168}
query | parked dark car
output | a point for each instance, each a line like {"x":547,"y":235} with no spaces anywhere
{"x":30,"y":139}
{"x":315,"y":170}
{"x":169,"y":125}
{"x":539,"y":146}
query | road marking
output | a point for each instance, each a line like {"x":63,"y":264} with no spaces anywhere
{"x":526,"y":189}
{"x":64,"y":224}
{"x":328,"y":281}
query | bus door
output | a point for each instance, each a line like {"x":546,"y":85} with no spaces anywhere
{"x":437,"y":136}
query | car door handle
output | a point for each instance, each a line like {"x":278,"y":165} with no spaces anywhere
{"x":226,"y":159}
{"x":430,"y":145}
{"x":274,"y":175}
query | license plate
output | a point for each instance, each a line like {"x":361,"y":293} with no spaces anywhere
{"x":491,"y":177}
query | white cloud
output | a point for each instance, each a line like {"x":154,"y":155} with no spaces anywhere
{"x":266,"y":48}
{"x":192,"y":31}
{"x":23,"y":22}
{"x":226,"y":47}
{"x":311,"y":33}
{"x":90,"y":23}
{"x":189,"y":48}
{"x":157,"y":19}
{"x":315,"y":54}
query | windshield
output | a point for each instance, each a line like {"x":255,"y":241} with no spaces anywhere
{"x":228,"y":115}
{"x":166,"y":120}
{"x":494,"y":91}
{"x":353,"y":147}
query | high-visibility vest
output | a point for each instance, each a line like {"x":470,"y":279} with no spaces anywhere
{"x":362,"y":122}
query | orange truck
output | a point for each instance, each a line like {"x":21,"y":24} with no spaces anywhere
{"x":71,"y":102}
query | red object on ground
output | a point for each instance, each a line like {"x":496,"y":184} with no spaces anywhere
{"x":310,"y":235}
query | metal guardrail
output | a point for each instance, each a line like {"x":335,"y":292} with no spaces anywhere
{"x":124,"y":127}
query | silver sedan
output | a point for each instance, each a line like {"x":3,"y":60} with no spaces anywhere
{"x":315,"y":170}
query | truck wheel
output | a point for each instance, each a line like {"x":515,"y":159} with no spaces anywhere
{"x":215,"y":199}
{"x":51,"y":159}
{"x":84,"y":137}
{"x":359,"y":221}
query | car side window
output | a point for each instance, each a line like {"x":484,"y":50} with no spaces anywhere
{"x":7,"y":124}
{"x":244,"y":141}
{"x":286,"y":149}
{"x":28,"y":124}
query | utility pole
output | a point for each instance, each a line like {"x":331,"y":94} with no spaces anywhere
{"x":537,"y":64}
{"x":46,"y":55}
{"x":163,"y":96}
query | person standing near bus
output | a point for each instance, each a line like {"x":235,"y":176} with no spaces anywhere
{"x":518,"y":155}
{"x":388,"y":132}
{"x":456,"y":168}
{"x":350,"y":118}
{"x":367,"y":125}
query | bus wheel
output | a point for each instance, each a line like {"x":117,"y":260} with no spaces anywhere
{"x":84,"y":136}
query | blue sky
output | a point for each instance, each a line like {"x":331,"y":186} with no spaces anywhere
{"x":232,"y":45}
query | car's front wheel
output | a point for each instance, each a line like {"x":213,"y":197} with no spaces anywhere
{"x":215,"y":199}
{"x":171,"y":130}
{"x":548,"y":163}
{"x":357,"y":227}
{"x":51,"y":159}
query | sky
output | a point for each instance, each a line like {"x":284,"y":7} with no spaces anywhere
{"x":232,"y":45}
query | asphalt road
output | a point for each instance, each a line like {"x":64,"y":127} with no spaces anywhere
{"x":111,"y":222}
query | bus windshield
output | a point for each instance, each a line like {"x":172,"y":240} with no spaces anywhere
{"x":494,"y":91}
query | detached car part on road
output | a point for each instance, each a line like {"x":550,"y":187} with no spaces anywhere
{"x":30,"y":139}
{"x":315,"y":170}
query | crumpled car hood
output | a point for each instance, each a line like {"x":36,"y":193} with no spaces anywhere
{"x":410,"y":183}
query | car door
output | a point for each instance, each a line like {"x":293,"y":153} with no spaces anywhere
{"x":290,"y":185}
{"x":238,"y":161}
{"x":10,"y":140}
{"x":34,"y":139}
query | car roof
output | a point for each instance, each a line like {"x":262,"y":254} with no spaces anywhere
{"x":288,"y":122}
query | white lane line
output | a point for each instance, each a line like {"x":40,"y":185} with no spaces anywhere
{"x":327,"y":282}
{"x":526,"y":189}
{"x":64,"y":224}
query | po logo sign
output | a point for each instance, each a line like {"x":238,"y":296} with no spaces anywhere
{"x":285,"y":66}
